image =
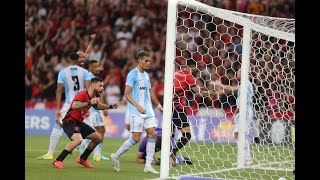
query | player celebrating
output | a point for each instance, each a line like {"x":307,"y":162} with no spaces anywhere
{"x":139,"y":95}
{"x":184,"y":82}
{"x":74,"y":79}
{"x":95,"y":119}
{"x":74,"y":127}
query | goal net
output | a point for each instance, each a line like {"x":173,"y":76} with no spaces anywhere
{"x":223,"y":42}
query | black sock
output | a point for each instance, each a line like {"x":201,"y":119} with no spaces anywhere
{"x":172,"y":135}
{"x":257,"y":140}
{"x":63,"y":155}
{"x":183,"y":141}
{"x":85,"y":154}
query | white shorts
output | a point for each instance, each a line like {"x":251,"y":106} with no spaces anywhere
{"x":94,"y":119}
{"x":63,"y":111}
{"x":248,"y":123}
{"x":138,"y":124}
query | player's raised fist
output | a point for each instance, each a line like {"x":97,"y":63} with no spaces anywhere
{"x":115,"y":105}
{"x":93,"y":36}
{"x":94,"y":101}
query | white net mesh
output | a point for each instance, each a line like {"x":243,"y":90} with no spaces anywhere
{"x":216,"y":44}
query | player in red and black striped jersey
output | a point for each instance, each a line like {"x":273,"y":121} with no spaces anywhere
{"x":184,"y":83}
{"x":74,"y":126}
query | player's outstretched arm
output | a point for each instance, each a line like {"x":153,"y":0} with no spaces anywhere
{"x":89,"y":48}
{"x":225,"y":87}
{"x":102,"y":106}
{"x":209,"y":93}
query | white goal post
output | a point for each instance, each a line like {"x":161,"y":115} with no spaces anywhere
{"x":275,"y":34}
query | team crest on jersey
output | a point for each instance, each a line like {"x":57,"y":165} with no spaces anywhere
{"x":143,"y":88}
{"x":76,"y":128}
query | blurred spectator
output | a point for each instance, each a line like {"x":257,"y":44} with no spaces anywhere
{"x":53,"y":29}
{"x":96,"y":53}
{"x":256,"y":7}
{"x":112,"y":90}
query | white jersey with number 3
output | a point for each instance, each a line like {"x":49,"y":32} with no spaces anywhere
{"x":74,"y":80}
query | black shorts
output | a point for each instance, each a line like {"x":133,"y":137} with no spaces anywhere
{"x":179,"y":119}
{"x":72,"y":127}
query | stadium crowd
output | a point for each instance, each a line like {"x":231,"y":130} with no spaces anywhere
{"x":53,"y":29}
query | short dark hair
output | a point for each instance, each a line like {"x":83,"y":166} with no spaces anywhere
{"x":96,"y":79}
{"x":92,"y":61}
{"x":142,"y":54}
{"x":191,"y":62}
{"x":74,"y":56}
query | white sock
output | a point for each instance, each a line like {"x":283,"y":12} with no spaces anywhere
{"x":179,"y":159}
{"x":97,"y":150}
{"x":193,"y":136}
{"x":54,"y":139}
{"x":125,"y":147}
{"x":150,"y":151}
{"x":256,"y":128}
{"x":85,"y":142}
{"x":247,"y":148}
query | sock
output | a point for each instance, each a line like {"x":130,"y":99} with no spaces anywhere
{"x":97,"y":150}
{"x":85,"y":142}
{"x":247,"y":149}
{"x":54,"y":139}
{"x":179,"y":159}
{"x":150,"y":151}
{"x":125,"y":147}
{"x":183,"y":141}
{"x":172,"y":135}
{"x":256,"y":128}
{"x":63,"y":155}
{"x":84,"y":156}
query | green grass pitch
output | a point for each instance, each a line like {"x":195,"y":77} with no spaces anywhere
{"x":207,"y":157}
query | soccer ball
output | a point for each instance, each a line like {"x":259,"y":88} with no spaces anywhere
{"x":282,"y":178}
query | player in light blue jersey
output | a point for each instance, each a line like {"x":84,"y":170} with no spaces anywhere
{"x":96,"y":118}
{"x":249,"y":120}
{"x":250,"y":114}
{"x":73,"y":79}
{"x":139,"y":95}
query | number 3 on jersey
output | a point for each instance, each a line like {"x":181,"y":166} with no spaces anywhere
{"x":76,"y":86}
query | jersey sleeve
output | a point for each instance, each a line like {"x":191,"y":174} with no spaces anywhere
{"x":143,"y":146}
{"x":149,"y":82}
{"x":238,"y":99}
{"x":86,"y":75}
{"x":130,"y":79}
{"x":60,"y":77}
{"x":80,"y":97}
{"x":191,"y":80}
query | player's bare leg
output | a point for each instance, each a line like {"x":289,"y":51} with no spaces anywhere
{"x":97,"y":156}
{"x":95,"y":140}
{"x":76,"y":141}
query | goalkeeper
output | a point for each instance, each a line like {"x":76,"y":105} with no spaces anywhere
{"x":141,"y":155}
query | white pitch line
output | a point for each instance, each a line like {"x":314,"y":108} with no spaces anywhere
{"x":258,"y":166}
